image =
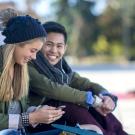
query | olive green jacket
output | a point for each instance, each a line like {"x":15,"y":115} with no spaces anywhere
{"x":4,"y":112}
{"x":75,"y":93}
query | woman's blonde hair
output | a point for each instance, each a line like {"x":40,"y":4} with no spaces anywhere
{"x":14,"y":80}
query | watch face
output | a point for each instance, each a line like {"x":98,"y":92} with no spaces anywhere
{"x":98,"y":101}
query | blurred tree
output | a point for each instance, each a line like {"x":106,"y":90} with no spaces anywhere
{"x":116,"y":24}
{"x":101,"y":47}
{"x":116,"y":49}
{"x":127,"y":12}
{"x":110,"y":24}
{"x":80,"y":24}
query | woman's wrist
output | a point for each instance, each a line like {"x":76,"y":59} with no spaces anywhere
{"x":32,"y":118}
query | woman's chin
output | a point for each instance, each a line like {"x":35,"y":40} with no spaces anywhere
{"x":22,"y":63}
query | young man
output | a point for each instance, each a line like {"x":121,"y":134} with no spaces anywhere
{"x":51,"y":77}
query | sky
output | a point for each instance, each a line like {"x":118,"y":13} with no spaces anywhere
{"x":99,"y":7}
{"x":42,"y":7}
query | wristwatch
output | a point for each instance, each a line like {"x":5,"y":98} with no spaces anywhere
{"x":97,"y":101}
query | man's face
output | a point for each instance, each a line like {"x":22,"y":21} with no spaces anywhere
{"x":54,"y":47}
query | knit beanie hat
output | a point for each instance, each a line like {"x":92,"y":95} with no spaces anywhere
{"x":23,"y":28}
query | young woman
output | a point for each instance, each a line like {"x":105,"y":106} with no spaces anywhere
{"x":24,"y":37}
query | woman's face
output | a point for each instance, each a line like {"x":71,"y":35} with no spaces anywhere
{"x":24,"y":53}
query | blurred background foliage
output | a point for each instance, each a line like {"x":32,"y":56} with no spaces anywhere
{"x":108,"y":34}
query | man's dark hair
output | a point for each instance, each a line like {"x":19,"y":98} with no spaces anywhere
{"x":55,"y":27}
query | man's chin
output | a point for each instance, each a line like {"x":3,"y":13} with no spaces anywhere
{"x":53,"y":62}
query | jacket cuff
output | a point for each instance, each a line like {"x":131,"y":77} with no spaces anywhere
{"x":89,"y":98}
{"x":113,"y":97}
{"x":14,"y":121}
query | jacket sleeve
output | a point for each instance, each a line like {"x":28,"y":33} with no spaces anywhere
{"x":43,"y":86}
{"x":3,"y":117}
{"x":3,"y":121}
{"x":85,"y":84}
{"x":1,"y":56}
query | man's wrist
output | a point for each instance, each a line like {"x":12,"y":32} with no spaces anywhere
{"x":97,"y":101}
{"x":89,"y":98}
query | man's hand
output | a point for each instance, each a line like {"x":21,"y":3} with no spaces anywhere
{"x":107,"y":106}
{"x":108,"y":103}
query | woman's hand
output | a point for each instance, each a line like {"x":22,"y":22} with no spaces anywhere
{"x":45,"y":114}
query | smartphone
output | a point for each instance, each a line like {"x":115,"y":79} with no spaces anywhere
{"x":61,"y":107}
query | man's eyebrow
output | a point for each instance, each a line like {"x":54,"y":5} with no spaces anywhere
{"x":53,"y":42}
{"x":50,"y":41}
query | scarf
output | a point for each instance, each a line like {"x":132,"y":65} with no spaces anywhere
{"x":60,"y":73}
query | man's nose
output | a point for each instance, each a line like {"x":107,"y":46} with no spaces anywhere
{"x":54,"y":49}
